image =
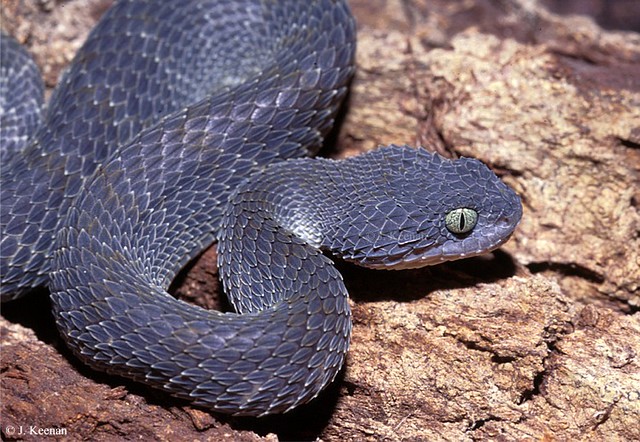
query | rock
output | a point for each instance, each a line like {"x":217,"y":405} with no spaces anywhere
{"x":537,"y":341}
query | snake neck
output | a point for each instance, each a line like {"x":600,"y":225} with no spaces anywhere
{"x":384,"y":209}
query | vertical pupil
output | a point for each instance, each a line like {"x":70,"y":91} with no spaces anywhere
{"x":462,"y":222}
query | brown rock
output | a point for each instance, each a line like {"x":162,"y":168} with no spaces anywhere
{"x":539,"y":341}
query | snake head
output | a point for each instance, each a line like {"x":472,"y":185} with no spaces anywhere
{"x":409,"y":208}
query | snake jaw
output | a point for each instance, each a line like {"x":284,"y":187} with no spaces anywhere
{"x":422,"y":257}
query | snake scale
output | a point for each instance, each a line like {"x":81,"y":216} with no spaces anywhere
{"x":184,"y":123}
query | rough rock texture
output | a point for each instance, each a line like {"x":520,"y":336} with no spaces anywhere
{"x":538,"y":341}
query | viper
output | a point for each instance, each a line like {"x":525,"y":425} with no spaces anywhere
{"x":184,"y":123}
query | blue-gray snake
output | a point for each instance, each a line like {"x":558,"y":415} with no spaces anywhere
{"x":184,"y":123}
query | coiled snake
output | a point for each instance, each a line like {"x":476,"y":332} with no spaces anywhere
{"x":169,"y":132}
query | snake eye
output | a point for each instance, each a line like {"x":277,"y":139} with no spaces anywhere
{"x":461,"y":220}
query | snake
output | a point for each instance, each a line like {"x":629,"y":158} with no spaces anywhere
{"x":186,"y":123}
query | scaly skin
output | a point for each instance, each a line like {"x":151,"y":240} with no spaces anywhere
{"x":184,"y":123}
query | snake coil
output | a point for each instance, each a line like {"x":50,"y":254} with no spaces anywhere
{"x":183,"y":123}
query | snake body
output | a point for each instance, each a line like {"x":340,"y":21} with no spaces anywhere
{"x":183,"y":123}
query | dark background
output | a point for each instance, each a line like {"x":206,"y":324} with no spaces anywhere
{"x":610,"y":14}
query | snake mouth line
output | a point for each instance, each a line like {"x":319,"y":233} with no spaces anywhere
{"x":431,"y":254}
{"x":418,"y":261}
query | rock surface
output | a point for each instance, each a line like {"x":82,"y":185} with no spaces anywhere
{"x":537,"y":341}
